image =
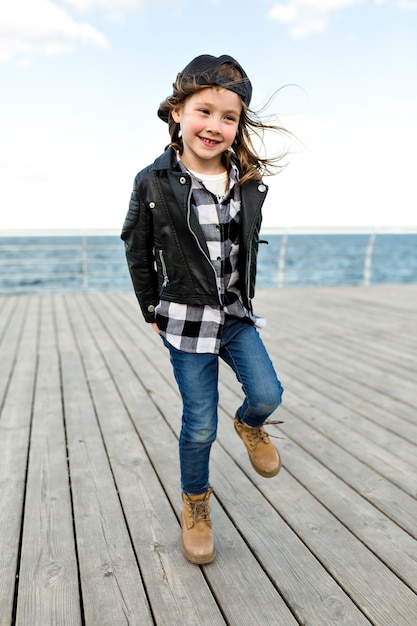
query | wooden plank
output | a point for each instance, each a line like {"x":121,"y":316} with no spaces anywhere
{"x":315,"y":431}
{"x":229,"y":587}
{"x":7,"y":306}
{"x":381,"y":417}
{"x":162,"y":447}
{"x":11,"y":321}
{"x":48,"y":582}
{"x":394,"y":546}
{"x":304,"y":384}
{"x":339,"y":402}
{"x":372,"y":586}
{"x":15,"y":420}
{"x":368,"y":380}
{"x":369,"y":354}
{"x":315,"y":412}
{"x":406,"y":569}
{"x":356,"y":569}
{"x":343,"y":312}
{"x":352,"y":564}
{"x":331,"y":540}
{"x":382,"y":493}
{"x":153,"y":526}
{"x":360,"y":388}
{"x":111,"y":586}
{"x":307,"y":587}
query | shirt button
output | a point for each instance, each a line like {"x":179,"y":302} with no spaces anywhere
{"x":151,"y":308}
{"x":262,"y":188}
{"x":183,"y":180}
{"x":152,"y":205}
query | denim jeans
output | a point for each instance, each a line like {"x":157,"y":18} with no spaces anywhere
{"x":197,"y":379}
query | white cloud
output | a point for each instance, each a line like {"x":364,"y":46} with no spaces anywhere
{"x":114,"y":7}
{"x":116,"y":10}
{"x":408,"y":5}
{"x":305,"y":17}
{"x":39,"y":26}
{"x":88,"y":5}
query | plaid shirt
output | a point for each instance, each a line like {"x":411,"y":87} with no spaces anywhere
{"x":198,"y":328}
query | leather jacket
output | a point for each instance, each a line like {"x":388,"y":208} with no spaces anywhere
{"x":166,"y":252}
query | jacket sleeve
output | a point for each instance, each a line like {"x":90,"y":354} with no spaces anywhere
{"x":137,"y":234}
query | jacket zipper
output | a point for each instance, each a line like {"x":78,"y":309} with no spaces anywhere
{"x":198,"y":243}
{"x":164,"y":268}
{"x":249,"y":266}
{"x":249,"y":274}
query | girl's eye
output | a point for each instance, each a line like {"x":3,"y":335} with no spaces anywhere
{"x":205,"y":111}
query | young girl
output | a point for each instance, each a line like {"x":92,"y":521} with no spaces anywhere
{"x":191,"y":238}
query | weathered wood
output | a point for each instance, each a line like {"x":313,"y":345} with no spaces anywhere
{"x":12,"y":318}
{"x":19,"y":349}
{"x":229,"y":584}
{"x":316,"y":526}
{"x":48,"y":586}
{"x":111,"y":585}
{"x":314,"y":580}
{"x":89,"y":477}
{"x":153,"y":526}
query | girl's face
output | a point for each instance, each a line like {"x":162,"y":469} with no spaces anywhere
{"x":209,"y":121}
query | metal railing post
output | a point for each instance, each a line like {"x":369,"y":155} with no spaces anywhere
{"x":84,"y":263}
{"x":281,"y":262}
{"x":367,"y":268}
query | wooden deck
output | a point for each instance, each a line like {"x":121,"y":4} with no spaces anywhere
{"x":90,"y":495}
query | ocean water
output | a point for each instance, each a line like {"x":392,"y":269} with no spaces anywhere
{"x":76,"y":263}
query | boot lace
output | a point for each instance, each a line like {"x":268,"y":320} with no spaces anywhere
{"x":199,"y":511}
{"x":257,"y":434}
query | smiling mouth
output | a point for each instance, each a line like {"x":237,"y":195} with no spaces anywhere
{"x":209,"y":142}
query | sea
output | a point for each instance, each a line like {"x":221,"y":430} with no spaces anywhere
{"x":73,"y":263}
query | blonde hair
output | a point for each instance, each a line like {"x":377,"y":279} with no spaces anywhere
{"x":252,"y":165}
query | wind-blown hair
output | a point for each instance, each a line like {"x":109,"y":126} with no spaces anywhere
{"x":252,"y":165}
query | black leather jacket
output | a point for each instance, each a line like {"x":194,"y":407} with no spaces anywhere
{"x":165,"y":249}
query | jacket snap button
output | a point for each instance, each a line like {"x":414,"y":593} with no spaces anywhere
{"x":262,"y":188}
{"x":152,"y":205}
{"x":183,"y":180}
{"x":151,"y":308}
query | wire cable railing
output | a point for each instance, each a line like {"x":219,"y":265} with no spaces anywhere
{"x":88,"y":263}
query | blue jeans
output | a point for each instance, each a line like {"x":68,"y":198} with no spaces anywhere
{"x":197,"y":379}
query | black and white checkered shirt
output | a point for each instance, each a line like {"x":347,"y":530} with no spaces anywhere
{"x":197,"y":328}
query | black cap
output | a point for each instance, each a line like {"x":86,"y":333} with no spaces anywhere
{"x":204,"y":70}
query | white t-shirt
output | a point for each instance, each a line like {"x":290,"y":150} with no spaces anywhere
{"x":216,"y":183}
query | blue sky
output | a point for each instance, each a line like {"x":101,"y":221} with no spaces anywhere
{"x":81,"y":80}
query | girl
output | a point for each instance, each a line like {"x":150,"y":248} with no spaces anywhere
{"x":191,"y":238}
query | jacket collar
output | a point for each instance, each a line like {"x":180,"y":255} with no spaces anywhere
{"x":167,"y":160}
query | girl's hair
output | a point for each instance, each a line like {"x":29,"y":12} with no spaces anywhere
{"x":252,"y":165}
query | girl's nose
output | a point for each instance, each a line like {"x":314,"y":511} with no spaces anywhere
{"x":213,"y":125}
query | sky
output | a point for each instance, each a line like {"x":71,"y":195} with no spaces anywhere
{"x":81,"y":81}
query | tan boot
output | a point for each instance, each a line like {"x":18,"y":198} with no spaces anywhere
{"x":262,"y":453}
{"x":197,"y":536}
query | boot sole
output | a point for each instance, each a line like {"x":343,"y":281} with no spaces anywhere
{"x":198,"y":560}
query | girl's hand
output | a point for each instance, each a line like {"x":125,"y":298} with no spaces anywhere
{"x":155,"y":327}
